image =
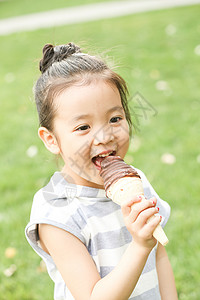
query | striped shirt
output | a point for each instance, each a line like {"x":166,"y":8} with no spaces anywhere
{"x":98,"y":222}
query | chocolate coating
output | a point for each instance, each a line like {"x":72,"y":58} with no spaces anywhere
{"x":113,"y":168}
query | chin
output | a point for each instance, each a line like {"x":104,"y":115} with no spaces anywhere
{"x":96,"y":182}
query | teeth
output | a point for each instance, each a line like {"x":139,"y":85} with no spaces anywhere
{"x":104,"y":155}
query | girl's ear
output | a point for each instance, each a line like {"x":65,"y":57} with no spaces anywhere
{"x":49,"y":140}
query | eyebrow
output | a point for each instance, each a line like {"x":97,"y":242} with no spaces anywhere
{"x":120,"y":108}
{"x":80,"y":117}
{"x":85,"y":116}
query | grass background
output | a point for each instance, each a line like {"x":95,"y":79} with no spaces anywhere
{"x":10,"y":8}
{"x":156,"y":55}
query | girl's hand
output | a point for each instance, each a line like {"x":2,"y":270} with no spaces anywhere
{"x":136,"y":213}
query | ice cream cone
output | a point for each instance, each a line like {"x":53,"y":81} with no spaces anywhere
{"x":122,"y":182}
{"x":123,"y":190}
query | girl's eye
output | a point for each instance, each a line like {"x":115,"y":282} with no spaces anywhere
{"x":115,"y":119}
{"x":82,"y":128}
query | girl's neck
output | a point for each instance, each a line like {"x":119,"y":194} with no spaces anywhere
{"x":78,"y":180}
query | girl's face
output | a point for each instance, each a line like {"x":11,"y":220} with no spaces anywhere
{"x":90,"y":123}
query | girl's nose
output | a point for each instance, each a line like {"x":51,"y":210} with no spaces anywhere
{"x":104,"y":135}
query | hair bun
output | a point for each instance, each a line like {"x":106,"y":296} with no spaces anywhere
{"x":53,"y":54}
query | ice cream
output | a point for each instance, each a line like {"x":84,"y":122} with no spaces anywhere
{"x":121,"y":183}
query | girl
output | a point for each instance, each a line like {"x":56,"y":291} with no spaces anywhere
{"x":93,"y":249}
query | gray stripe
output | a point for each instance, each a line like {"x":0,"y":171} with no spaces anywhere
{"x":53,"y":200}
{"x":105,"y":271}
{"x":115,"y":239}
{"x":77,"y":219}
{"x":88,"y":192}
{"x":109,"y":240}
{"x":100,"y":209}
{"x":33,"y":235}
{"x":151,"y":261}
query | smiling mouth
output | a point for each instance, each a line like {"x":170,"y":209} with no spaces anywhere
{"x":97,"y":160}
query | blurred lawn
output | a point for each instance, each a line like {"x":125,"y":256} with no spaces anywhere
{"x":156,"y":54}
{"x":10,"y":8}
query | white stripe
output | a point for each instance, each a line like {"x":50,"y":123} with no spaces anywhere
{"x":113,"y":222}
{"x":109,"y":257}
{"x":41,"y":206}
{"x":146,"y":282}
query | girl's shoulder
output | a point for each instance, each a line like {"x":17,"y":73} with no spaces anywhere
{"x":55,"y":205}
{"x":55,"y":201}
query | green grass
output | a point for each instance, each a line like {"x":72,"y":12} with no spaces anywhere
{"x":146,"y":55}
{"x":10,"y":8}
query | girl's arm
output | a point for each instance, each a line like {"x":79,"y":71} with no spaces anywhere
{"x":78,"y":269}
{"x":165,"y":275}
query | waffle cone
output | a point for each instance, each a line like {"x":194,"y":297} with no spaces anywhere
{"x":123,"y":190}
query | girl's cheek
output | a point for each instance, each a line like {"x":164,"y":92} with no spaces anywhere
{"x":123,"y":135}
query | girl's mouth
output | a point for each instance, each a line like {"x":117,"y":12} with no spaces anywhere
{"x":97,"y":160}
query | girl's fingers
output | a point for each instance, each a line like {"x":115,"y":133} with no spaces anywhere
{"x":144,"y":216}
{"x":149,"y":227}
{"x":138,"y":208}
{"x":126,"y":205}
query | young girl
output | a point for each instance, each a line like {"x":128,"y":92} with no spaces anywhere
{"x":93,"y":248}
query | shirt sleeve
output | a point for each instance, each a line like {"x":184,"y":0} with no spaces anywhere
{"x":61,"y":213}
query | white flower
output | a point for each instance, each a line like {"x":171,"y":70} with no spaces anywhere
{"x":162,"y":85}
{"x":10,"y":271}
{"x":168,"y":158}
{"x":197,"y":50}
{"x":32,"y":151}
